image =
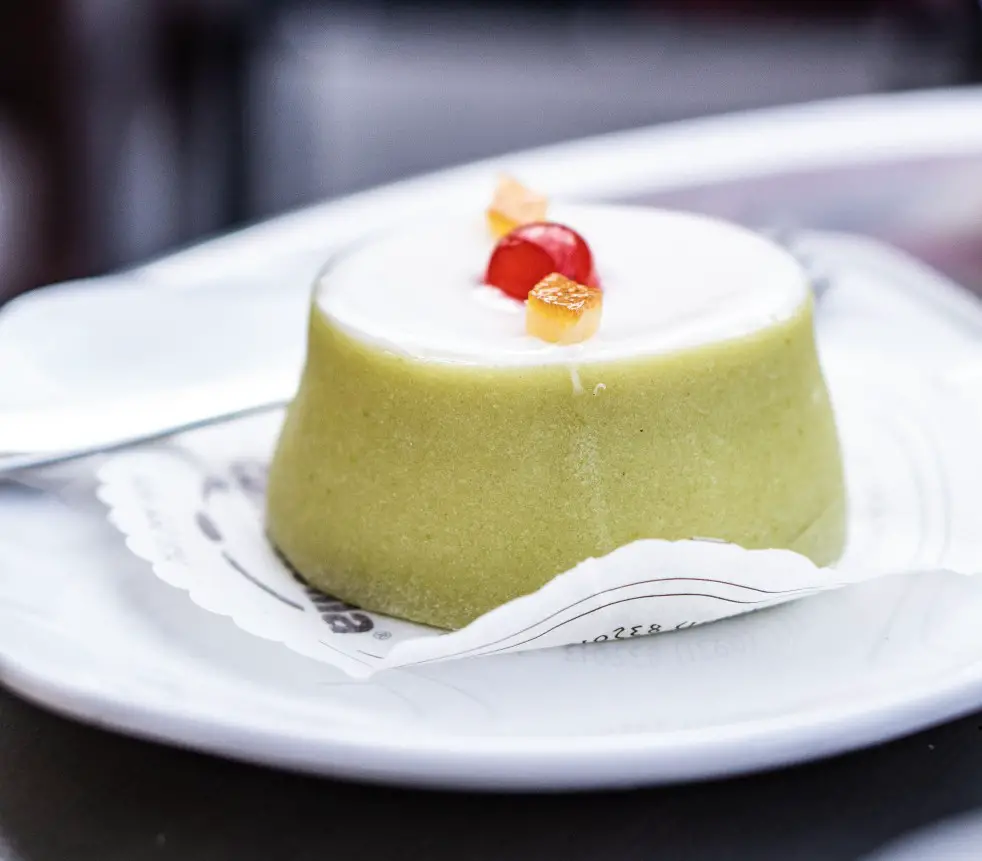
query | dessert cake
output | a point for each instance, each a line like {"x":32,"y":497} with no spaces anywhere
{"x":490,"y":399}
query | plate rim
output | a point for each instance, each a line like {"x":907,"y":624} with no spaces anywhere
{"x":511,"y":763}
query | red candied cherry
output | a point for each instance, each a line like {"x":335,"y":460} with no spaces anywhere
{"x":522,"y":258}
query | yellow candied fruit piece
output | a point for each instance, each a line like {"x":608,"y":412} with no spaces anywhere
{"x":514,"y":205}
{"x":562,"y":311}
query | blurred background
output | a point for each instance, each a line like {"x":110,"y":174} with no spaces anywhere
{"x":130,"y":127}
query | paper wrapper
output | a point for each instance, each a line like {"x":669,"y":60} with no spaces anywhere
{"x":193,"y":510}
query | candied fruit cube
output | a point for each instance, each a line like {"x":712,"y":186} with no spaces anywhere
{"x":562,"y":311}
{"x":514,"y":205}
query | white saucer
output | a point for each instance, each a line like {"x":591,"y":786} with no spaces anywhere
{"x":88,"y":632}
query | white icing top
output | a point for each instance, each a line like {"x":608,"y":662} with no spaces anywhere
{"x":670,"y":281}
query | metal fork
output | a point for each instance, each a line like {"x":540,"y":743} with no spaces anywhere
{"x":17,"y":462}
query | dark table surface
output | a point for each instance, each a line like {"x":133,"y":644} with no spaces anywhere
{"x":71,"y":792}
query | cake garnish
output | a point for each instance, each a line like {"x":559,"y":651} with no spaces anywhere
{"x":526,"y":255}
{"x":514,"y":205}
{"x":562,"y":311}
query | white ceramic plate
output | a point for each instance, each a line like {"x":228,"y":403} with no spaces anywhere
{"x":85,"y":629}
